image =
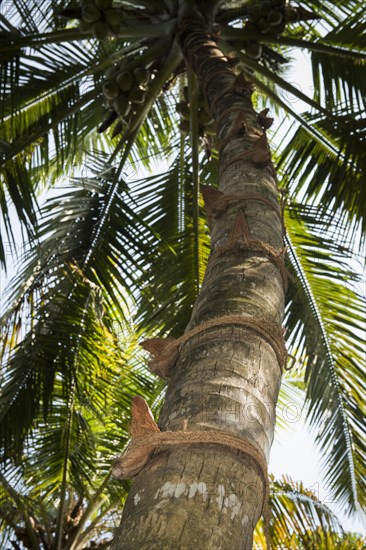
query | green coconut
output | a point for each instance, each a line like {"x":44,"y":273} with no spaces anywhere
{"x":136,"y":95}
{"x":274,"y":18}
{"x":204,"y":117}
{"x":111,"y":72}
{"x":183,"y":109}
{"x":141,"y":76}
{"x":122,"y":105}
{"x":90,"y":13}
{"x":263,"y":24}
{"x":84,"y":26}
{"x":110,"y":89}
{"x":278,"y":29}
{"x":113,"y":17}
{"x":253,"y":49}
{"x":124,"y":81}
{"x":184,"y":126}
{"x":100,"y":30}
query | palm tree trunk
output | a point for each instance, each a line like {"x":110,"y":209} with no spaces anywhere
{"x":227,"y":375}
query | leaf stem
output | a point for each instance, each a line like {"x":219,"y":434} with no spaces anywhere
{"x":194,"y":130}
{"x":230,"y":33}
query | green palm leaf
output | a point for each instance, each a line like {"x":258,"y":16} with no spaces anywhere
{"x":301,"y":520}
{"x":330,"y":172}
{"x":165,"y":303}
{"x":325,"y":321}
{"x":78,"y":272}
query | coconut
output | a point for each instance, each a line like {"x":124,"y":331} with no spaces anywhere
{"x":204,"y":117}
{"x":183,"y":109}
{"x":122,"y":105}
{"x":110,"y":89}
{"x":263,"y":24}
{"x":113,"y":17}
{"x":100,"y":30}
{"x":253,"y":49}
{"x":84,"y":26}
{"x":124,"y":81}
{"x":136,"y":95}
{"x":184,"y":126}
{"x":141,"y":76}
{"x":111,"y":72}
{"x":274,"y":18}
{"x":90,"y":13}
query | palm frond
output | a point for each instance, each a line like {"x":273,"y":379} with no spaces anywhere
{"x":325,"y":320}
{"x":300,"y":521}
{"x":165,"y":303}
{"x":53,"y":103}
{"x":339,"y":80}
{"x":70,"y":279}
{"x":330,"y":171}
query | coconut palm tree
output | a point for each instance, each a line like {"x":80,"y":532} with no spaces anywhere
{"x":95,"y":97}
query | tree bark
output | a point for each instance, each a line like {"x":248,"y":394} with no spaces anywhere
{"x":227,"y":376}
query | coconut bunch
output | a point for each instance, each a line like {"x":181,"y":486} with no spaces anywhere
{"x":100,"y":18}
{"x":267,"y":16}
{"x":95,"y":16}
{"x":124,"y":91}
{"x":272,"y":16}
{"x":207,"y":124}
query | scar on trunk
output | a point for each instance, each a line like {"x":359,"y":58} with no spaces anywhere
{"x":147,"y":439}
{"x":259,"y":154}
{"x":238,"y":127}
{"x":242,"y":86}
{"x":217,"y":202}
{"x":240,"y":229}
{"x":240,"y":239}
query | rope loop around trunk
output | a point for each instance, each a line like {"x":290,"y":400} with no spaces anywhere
{"x":165,"y":351}
{"x":147,"y":440}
